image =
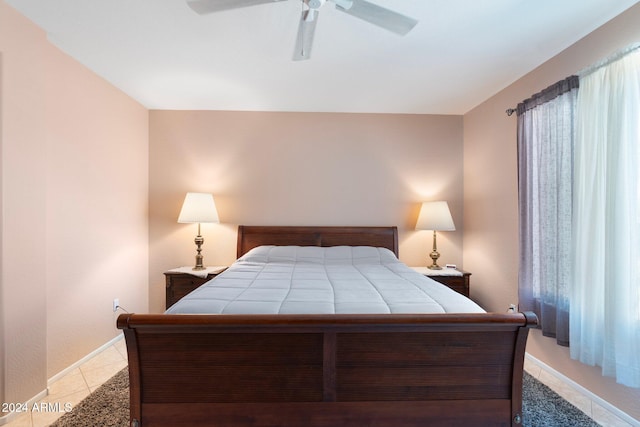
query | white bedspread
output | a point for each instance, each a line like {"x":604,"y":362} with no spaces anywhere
{"x":317,"y":280}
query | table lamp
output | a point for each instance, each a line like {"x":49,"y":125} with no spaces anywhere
{"x":198,"y":208}
{"x":437,"y":217}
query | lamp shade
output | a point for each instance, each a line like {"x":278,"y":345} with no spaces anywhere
{"x":198,"y":207}
{"x":435,"y":216}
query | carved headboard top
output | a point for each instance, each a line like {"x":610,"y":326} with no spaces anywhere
{"x":250,"y":236}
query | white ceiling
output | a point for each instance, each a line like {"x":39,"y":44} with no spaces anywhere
{"x":461,"y":52}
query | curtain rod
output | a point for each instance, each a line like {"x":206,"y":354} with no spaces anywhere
{"x":608,"y":60}
{"x":594,"y":67}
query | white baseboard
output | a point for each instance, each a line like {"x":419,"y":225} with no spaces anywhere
{"x":77,"y":364}
{"x":585,"y":392}
{"x":10,"y":416}
{"x":29,"y":403}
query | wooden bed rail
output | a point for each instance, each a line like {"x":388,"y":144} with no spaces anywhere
{"x":472,"y":320}
{"x":326,"y":370}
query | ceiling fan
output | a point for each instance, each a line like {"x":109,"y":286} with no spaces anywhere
{"x":362,"y":9}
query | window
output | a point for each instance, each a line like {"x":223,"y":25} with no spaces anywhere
{"x":579,"y":197}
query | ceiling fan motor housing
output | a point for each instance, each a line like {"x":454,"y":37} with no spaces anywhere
{"x":315,"y":4}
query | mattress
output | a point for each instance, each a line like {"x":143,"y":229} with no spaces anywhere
{"x":321,"y":280}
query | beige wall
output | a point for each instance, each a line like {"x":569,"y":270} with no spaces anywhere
{"x":299,"y":169}
{"x":490,"y":198}
{"x":23,"y":202}
{"x":97,"y":208}
{"x":2,"y":334}
{"x":74,"y":177}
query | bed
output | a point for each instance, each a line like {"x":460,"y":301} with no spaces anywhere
{"x":385,"y":364}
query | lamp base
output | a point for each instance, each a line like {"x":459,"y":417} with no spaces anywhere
{"x":434,"y":261}
{"x":199,"y":258}
{"x":434,"y":255}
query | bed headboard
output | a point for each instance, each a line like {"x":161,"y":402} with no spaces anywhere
{"x":250,"y":236}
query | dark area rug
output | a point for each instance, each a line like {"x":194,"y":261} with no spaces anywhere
{"x":542,"y":406}
{"x":109,"y":406}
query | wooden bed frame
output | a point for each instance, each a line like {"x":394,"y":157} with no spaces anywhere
{"x":325,"y":370}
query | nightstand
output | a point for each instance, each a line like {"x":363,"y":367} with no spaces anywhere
{"x":453,"y":278}
{"x":181,"y":281}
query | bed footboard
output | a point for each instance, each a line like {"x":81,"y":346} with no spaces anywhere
{"x":326,"y":370}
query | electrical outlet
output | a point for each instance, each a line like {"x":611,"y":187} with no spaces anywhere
{"x":116,"y":304}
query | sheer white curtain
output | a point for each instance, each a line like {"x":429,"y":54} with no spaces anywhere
{"x":605,"y":295}
{"x":545,"y":162}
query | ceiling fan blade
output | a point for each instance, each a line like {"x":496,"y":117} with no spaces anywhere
{"x":380,"y":16}
{"x":306,"y":31}
{"x":210,"y":6}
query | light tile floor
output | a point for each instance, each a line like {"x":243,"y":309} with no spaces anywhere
{"x":598,"y":413}
{"x":78,"y":383}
